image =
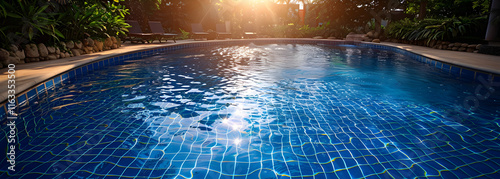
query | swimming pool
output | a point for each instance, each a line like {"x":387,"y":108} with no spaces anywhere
{"x":268,"y":111}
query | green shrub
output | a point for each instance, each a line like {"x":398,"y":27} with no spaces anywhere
{"x":185,"y":35}
{"x":435,"y":29}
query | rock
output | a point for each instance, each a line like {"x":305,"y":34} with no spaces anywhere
{"x":86,"y":50}
{"x":75,"y":52}
{"x":13,"y":47}
{"x":475,"y":51}
{"x":118,"y":42}
{"x":62,"y":55}
{"x":91,"y":42}
{"x":31,"y":51}
{"x":457,"y":44}
{"x":451,"y":45}
{"x":20,"y":54}
{"x":472,"y":46}
{"x":58,"y":51}
{"x":52,"y":57}
{"x":78,"y":45}
{"x":4,"y":53}
{"x":462,"y":49}
{"x":95,"y":48}
{"x":328,"y":38}
{"x":42,"y":49}
{"x":58,"y":56}
{"x":464,"y":45}
{"x":66,"y":54}
{"x":100,"y":45}
{"x":454,"y":48}
{"x":376,"y":40}
{"x":70,"y":44}
{"x":471,"y":49}
{"x":29,"y":60}
{"x":63,"y":45}
{"x":108,"y":42}
{"x":114,"y":46}
{"x":370,"y":34}
{"x":478,"y":46}
{"x":445,"y":43}
{"x":51,"y":49}
{"x":113,"y":39}
{"x":85,"y":42}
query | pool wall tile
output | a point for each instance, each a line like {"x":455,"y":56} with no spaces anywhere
{"x":31,"y":94}
{"x":49,"y":84}
{"x":467,"y":74}
{"x":40,"y":88}
{"x":455,"y":70}
{"x":22,"y":99}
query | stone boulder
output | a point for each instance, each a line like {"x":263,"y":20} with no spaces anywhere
{"x":66,"y":54}
{"x":113,"y":39}
{"x":61,"y":55}
{"x":114,"y":46}
{"x":58,"y":51}
{"x":31,"y":51}
{"x":51,"y":57}
{"x":376,"y":40}
{"x":78,"y":45}
{"x":70,"y":44}
{"x":75,"y":52}
{"x":51,"y":50}
{"x":100,"y":45}
{"x":85,"y":42}
{"x":108,"y":42}
{"x":91,"y":42}
{"x":42,"y":49}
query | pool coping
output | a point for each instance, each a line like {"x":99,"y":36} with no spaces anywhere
{"x":43,"y":76}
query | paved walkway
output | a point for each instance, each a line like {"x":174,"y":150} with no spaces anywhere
{"x":30,"y":74}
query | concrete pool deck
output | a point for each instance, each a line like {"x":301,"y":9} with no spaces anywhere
{"x":30,"y":74}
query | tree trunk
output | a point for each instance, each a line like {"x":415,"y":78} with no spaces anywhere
{"x":423,"y":9}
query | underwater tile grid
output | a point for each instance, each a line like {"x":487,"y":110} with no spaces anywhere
{"x":307,"y":139}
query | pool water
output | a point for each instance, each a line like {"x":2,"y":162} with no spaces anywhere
{"x":261,"y":111}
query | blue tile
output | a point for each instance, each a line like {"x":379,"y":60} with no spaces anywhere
{"x":72,"y":74}
{"x":57,"y":80}
{"x":64,"y":77}
{"x":467,"y":74}
{"x":40,"y":88}
{"x":78,"y":71}
{"x":31,"y":94}
{"x":484,"y":76}
{"x":49,"y":84}
{"x":90,"y":67}
{"x":95,"y":65}
{"x":446,"y":67}
{"x":84,"y":70}
{"x":105,"y":62}
{"x":439,"y":65}
{"x":21,"y":99}
{"x":455,"y":70}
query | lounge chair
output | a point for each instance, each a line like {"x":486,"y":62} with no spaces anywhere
{"x":249,"y":32}
{"x":222,"y":31}
{"x":135,"y":33}
{"x":158,"y":31}
{"x":197,"y":31}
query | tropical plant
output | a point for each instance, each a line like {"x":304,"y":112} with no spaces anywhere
{"x":97,"y":20}
{"x":28,"y":20}
{"x":435,"y":29}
